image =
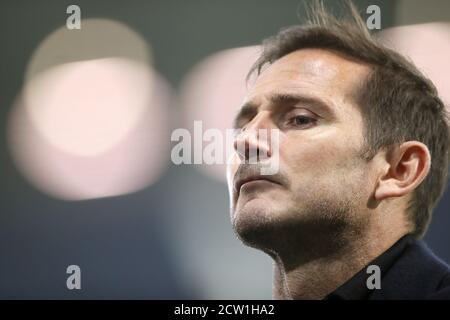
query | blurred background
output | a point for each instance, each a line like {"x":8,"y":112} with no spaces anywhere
{"x":86,"y":120}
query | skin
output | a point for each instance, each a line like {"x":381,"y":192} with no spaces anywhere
{"x":328,"y":211}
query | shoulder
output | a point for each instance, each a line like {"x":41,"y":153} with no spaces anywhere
{"x":417,"y":274}
{"x":443,"y":291}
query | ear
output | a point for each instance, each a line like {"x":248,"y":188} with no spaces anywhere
{"x":407,"y":166}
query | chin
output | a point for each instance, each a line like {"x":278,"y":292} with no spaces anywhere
{"x":255,"y":222}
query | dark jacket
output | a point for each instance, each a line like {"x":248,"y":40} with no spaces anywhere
{"x":409,"y":270}
{"x":416,"y":274}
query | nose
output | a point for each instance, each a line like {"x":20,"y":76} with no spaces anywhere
{"x":253,"y":143}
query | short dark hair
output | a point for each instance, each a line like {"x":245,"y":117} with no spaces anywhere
{"x":398,"y":103}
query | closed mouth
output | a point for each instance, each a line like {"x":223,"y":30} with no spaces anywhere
{"x":240,"y":182}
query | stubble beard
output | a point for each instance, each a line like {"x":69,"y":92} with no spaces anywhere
{"x":320,"y":227}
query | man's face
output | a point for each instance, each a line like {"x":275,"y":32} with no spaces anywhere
{"x":322,"y":180}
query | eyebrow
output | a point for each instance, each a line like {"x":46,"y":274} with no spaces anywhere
{"x":282,"y":99}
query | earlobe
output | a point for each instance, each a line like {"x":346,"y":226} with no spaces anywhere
{"x":408,"y":165}
{"x":387,"y":189}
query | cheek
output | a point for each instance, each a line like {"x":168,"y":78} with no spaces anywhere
{"x":308,"y":154}
{"x":320,"y":159}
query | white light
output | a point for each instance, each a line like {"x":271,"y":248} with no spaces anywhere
{"x":92,"y":118}
{"x":86,"y":107}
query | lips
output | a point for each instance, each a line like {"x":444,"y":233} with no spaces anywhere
{"x":241,"y":181}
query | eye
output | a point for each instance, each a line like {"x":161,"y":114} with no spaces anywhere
{"x":301,"y":121}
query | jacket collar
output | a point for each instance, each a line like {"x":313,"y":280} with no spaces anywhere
{"x":416,"y":274}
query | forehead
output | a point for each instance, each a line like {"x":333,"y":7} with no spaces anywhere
{"x":310,"y":72}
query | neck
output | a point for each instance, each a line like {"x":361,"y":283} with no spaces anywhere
{"x":316,"y":278}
